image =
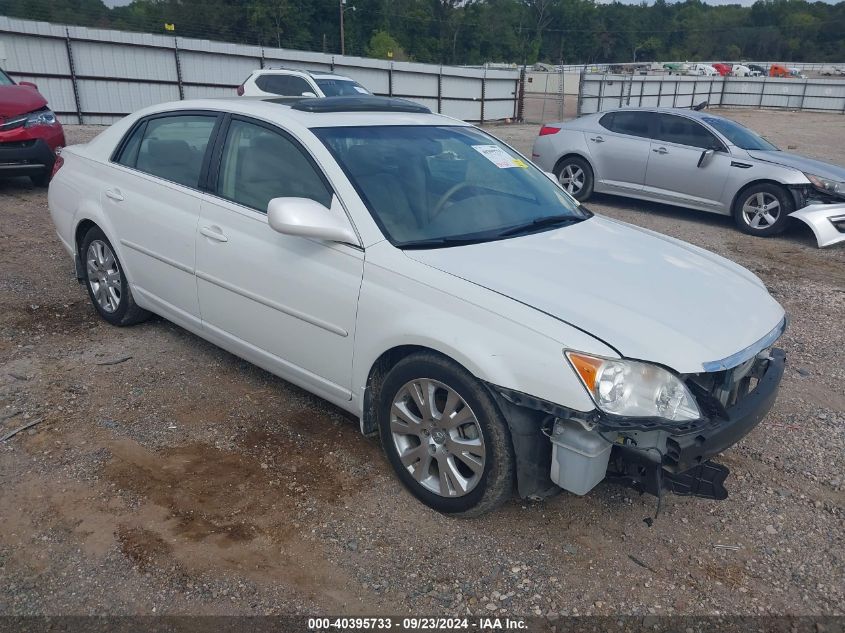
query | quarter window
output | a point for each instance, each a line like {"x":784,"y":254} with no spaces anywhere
{"x":172,"y":147}
{"x":259,"y":164}
{"x":684,"y":131}
{"x":286,"y":85}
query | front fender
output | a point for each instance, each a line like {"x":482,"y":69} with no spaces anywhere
{"x":498,"y":340}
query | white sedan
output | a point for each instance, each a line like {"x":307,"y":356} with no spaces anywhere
{"x":417,"y":272}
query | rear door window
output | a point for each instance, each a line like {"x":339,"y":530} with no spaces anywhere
{"x":173,"y":147}
{"x":287,"y":85}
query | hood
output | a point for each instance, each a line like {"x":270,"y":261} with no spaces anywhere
{"x":15,"y":100}
{"x":802,"y":163}
{"x":649,"y":296}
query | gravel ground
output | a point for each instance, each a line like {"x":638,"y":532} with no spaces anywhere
{"x":167,"y":476}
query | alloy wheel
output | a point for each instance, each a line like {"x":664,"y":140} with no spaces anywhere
{"x":103,"y":275}
{"x":572,"y":178}
{"x":761,"y":210}
{"x":437,"y":437}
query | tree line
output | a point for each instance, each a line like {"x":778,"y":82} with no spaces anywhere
{"x":479,"y":31}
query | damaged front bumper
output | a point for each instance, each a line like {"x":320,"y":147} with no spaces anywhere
{"x":575,"y":450}
{"x":827,"y":221}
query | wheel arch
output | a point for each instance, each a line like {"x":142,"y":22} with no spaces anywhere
{"x":759,"y":181}
{"x":575,"y":154}
{"x":380,"y":368}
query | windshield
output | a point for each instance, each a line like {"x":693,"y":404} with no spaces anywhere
{"x":341,"y":87}
{"x":740,"y":135}
{"x":432,"y":186}
{"x":5,"y":80}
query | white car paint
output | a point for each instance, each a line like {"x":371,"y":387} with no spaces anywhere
{"x":505,"y":310}
{"x":820,"y":218}
{"x":250,"y":88}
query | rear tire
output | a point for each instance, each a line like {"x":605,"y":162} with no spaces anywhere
{"x":106,"y":281}
{"x":576,"y":176}
{"x":763,"y":209}
{"x":444,"y":436}
{"x":41,"y":180}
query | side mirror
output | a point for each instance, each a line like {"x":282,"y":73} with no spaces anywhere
{"x":308,"y":94}
{"x":705,"y":157}
{"x":306,"y":218}
{"x":28,"y":84}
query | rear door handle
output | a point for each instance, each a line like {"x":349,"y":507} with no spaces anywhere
{"x":114,"y":194}
{"x":597,"y":139}
{"x":660,"y":150}
{"x":214,"y":233}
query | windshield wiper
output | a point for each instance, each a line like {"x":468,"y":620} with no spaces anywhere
{"x":550,"y":220}
{"x":444,"y":241}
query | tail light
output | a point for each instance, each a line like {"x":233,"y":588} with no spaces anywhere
{"x":59,"y":162}
{"x":241,"y":90}
{"x":548,"y":129}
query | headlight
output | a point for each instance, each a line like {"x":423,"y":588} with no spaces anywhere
{"x":827,"y":185}
{"x":42,"y":117}
{"x":634,"y":389}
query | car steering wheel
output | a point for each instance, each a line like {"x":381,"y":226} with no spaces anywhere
{"x":445,"y":197}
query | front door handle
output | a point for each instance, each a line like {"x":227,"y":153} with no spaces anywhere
{"x":597,"y":139}
{"x":114,"y":194}
{"x":660,"y":150}
{"x":214,"y":233}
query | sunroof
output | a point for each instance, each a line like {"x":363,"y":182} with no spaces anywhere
{"x":359,"y":104}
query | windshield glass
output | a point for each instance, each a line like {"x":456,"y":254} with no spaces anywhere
{"x":341,"y":87}
{"x":431,"y":186}
{"x":5,"y":80}
{"x":740,"y":135}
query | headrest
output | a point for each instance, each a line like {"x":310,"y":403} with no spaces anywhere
{"x":170,"y":152}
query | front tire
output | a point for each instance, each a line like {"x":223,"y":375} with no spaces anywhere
{"x":444,"y":436}
{"x":106,"y":282}
{"x":576,"y":176}
{"x":763,"y":209}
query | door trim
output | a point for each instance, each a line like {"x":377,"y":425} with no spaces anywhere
{"x":154,"y":255}
{"x":329,"y":327}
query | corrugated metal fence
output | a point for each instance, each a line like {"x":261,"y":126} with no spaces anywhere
{"x":600,"y":92}
{"x":97,"y":76}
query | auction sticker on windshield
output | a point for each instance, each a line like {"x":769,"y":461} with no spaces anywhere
{"x":499,"y":157}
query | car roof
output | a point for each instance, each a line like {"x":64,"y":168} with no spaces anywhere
{"x":687,"y":112}
{"x":277,"y":70}
{"x":280,"y":110}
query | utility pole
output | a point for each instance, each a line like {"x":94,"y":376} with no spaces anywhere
{"x":342,"y":38}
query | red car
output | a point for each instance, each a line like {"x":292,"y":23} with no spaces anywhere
{"x":30,"y":134}
{"x":724,"y":69}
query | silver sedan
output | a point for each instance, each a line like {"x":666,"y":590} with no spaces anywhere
{"x":692,"y":159}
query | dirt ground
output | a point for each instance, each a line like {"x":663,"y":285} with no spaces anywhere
{"x":168,"y":476}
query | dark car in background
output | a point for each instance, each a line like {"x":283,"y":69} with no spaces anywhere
{"x":30,"y":134}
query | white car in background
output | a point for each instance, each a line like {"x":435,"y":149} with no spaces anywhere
{"x":289,"y":82}
{"x":706,"y":70}
{"x":741,"y":70}
{"x":420,"y":274}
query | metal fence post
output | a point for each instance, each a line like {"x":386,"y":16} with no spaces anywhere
{"x":261,"y":60}
{"x":73,"y":76}
{"x":709,"y":92}
{"x":561,"y":110}
{"x":519,"y":104}
{"x":483,"y":91}
{"x":762,"y":93}
{"x":659,"y":91}
{"x":692,"y":98}
{"x":803,"y":94}
{"x":580,"y":91}
{"x":722,"y":94}
{"x":178,"y":68}
{"x":440,"y":90}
